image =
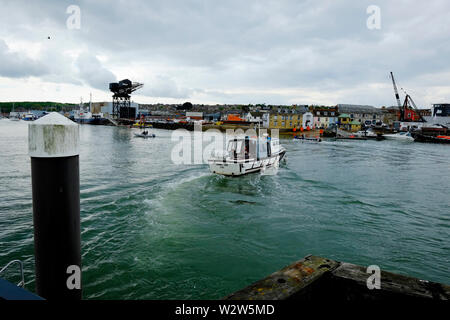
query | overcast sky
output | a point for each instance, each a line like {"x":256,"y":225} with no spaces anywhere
{"x":275,"y":52}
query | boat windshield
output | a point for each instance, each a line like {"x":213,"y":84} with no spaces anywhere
{"x":235,"y":145}
{"x":242,"y":148}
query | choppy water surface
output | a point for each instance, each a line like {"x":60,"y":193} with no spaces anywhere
{"x":155,"y":230}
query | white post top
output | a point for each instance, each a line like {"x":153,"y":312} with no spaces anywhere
{"x":53,"y":136}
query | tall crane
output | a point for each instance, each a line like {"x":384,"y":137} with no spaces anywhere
{"x":408,"y":111}
{"x":407,"y":105}
{"x":396,"y":92}
{"x":121,"y":98}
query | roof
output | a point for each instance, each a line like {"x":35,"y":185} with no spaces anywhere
{"x":355,"y":122}
{"x":356,"y":108}
{"x":344,"y":115}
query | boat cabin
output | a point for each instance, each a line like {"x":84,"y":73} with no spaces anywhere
{"x":252,"y":148}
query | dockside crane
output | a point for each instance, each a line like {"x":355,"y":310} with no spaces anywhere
{"x":408,"y":104}
{"x":396,"y":92}
{"x":121,"y":98}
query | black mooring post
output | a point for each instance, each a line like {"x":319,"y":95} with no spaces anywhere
{"x":54,"y":150}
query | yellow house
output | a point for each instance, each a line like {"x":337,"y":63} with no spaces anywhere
{"x":285,"y":120}
{"x":355,"y":125}
{"x":344,"y":119}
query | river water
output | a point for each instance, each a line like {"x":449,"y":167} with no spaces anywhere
{"x":152,"y":229}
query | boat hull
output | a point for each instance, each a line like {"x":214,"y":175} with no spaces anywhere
{"x":424,"y":138}
{"x":92,"y":121}
{"x":141,"y":135}
{"x":398,"y":138}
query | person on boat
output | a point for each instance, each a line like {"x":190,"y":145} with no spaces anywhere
{"x":145,"y":132}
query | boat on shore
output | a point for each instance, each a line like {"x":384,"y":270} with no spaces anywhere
{"x":246,"y":155}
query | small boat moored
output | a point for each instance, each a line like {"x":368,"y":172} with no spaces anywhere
{"x":366,"y":134}
{"x":247,"y":155}
{"x":307,"y":139}
{"x":29,"y":117}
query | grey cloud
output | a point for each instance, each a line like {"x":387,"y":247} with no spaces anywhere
{"x":18,"y":65}
{"x":92,"y":72}
{"x":164,"y":87}
{"x":223,"y":46}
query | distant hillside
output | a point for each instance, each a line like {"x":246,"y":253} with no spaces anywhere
{"x":6,"y":107}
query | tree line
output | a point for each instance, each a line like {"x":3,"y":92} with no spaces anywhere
{"x":6,"y":107}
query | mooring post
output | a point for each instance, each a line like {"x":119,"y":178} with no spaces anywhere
{"x":53,"y":145}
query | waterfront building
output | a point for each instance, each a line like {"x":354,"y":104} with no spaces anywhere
{"x":366,"y":115}
{"x":324,"y":116}
{"x":213,"y":117}
{"x":254,"y":117}
{"x":190,"y":115}
{"x":344,"y":121}
{"x":308,"y":120}
{"x":355,"y":126}
{"x":286,"y":118}
{"x":107,"y":108}
{"x":390,"y":115}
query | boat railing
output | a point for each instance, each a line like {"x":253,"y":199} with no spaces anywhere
{"x":22,"y":281}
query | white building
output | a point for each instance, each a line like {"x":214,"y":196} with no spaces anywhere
{"x":308,"y":120}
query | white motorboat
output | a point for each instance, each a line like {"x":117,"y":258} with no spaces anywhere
{"x":144,"y":134}
{"x":404,"y":136}
{"x":366,"y":133}
{"x":247,"y":155}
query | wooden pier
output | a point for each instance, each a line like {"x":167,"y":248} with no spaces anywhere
{"x":317,"y":278}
